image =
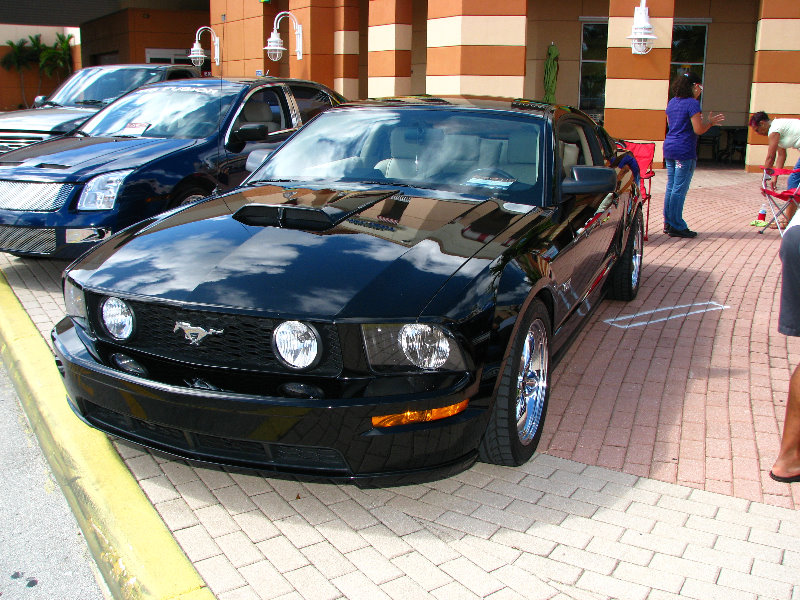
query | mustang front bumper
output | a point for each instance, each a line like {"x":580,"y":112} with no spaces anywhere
{"x":329,"y":438}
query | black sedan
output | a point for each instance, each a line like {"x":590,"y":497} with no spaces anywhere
{"x":385,"y":296}
{"x":156,"y":148}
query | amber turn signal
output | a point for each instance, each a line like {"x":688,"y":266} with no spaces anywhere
{"x":419,"y":416}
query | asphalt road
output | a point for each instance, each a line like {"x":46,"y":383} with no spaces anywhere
{"x":43,"y":555}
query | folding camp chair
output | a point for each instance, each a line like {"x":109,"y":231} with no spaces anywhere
{"x":643,"y":152}
{"x":778,"y":202}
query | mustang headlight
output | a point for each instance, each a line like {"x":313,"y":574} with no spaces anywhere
{"x":117,"y":318}
{"x":393,"y":347}
{"x":297,"y":344}
{"x":101,"y":192}
{"x":74,"y":301}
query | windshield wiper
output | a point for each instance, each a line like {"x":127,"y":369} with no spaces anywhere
{"x":81,"y":133}
{"x":50,"y":103}
{"x":262,"y":181}
{"x":91,"y":102}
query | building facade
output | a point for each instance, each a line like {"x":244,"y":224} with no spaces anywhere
{"x":746,"y":51}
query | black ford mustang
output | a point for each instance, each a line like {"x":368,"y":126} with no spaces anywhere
{"x":384,"y":296}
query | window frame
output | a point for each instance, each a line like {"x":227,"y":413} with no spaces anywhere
{"x":584,"y":21}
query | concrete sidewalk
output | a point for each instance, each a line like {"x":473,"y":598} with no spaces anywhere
{"x":652,"y":482}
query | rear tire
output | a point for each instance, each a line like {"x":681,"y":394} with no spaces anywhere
{"x":517,"y":419}
{"x":627,"y":273}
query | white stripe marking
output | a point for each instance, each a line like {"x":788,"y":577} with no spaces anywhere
{"x":693,"y":309}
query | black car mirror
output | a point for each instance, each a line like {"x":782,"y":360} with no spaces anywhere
{"x":39,"y":101}
{"x":251,"y":132}
{"x":590,"y":180}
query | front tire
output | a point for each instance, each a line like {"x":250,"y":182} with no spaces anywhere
{"x":188,"y":195}
{"x":517,"y":418}
{"x":627,"y":273}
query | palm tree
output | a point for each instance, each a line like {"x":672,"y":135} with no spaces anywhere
{"x":58,"y":57}
{"x":36,"y":49}
{"x":20,"y":58}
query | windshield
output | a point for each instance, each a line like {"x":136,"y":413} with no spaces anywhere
{"x":172,"y":111}
{"x":483,"y":152}
{"x":98,"y":87}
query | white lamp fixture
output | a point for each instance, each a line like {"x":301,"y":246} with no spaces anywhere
{"x":197,"y":54}
{"x":274,"y":45}
{"x":642,"y":35}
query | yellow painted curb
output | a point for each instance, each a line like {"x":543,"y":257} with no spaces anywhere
{"x":136,"y":553}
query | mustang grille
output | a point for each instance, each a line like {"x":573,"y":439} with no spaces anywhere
{"x":12,"y":142}
{"x":28,"y":195}
{"x":245,"y":341}
{"x":27,"y":239}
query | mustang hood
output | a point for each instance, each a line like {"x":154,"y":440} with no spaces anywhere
{"x":361,"y":265}
{"x":44,"y":120}
{"x":75,"y":159}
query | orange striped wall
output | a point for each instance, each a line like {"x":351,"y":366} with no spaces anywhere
{"x":389,"y":43}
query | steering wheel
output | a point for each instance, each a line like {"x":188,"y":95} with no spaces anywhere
{"x":491,"y":172}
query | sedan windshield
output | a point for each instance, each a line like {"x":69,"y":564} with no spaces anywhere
{"x":484,"y":152}
{"x":98,"y":87}
{"x":172,"y":111}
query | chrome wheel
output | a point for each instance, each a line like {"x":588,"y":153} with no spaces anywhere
{"x":636,"y":259}
{"x":532,"y":382}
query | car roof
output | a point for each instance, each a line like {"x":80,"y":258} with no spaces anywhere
{"x":241,"y":81}
{"x":523,"y":105}
{"x":154,"y":66}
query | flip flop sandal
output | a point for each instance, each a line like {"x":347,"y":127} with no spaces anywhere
{"x":792,"y":479}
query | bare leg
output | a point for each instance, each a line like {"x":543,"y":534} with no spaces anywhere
{"x":788,"y":462}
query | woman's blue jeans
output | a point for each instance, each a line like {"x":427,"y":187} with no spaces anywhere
{"x":794,"y":179}
{"x":679,"y":176}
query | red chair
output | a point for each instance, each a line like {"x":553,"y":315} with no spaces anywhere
{"x":778,"y":201}
{"x":643,"y":152}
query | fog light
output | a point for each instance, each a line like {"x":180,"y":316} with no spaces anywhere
{"x":419,"y":416}
{"x":127,"y":364}
{"x":92,"y":234}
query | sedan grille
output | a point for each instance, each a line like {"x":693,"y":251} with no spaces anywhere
{"x":244,"y":341}
{"x":12,"y":142}
{"x":27,"y":239}
{"x":34,"y":196}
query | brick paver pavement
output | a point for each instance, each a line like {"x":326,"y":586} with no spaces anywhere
{"x":664,"y":420}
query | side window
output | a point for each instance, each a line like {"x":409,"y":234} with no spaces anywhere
{"x":576,"y":147}
{"x":179,"y":74}
{"x":310,"y":101}
{"x":266,"y":106}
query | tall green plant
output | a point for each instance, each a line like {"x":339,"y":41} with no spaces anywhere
{"x":36,"y":50}
{"x":57,"y":59}
{"x":20,"y":58}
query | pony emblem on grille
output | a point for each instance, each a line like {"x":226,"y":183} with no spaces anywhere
{"x":195,"y":334}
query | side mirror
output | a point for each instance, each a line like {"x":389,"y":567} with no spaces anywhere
{"x":590,"y":180}
{"x":39,"y":101}
{"x":255,"y":158}
{"x":251,"y":132}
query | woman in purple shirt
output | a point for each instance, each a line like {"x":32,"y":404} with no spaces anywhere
{"x":685,"y":121}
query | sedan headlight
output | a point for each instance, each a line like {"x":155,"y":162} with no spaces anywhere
{"x":297,"y":344}
{"x":74,"y":301}
{"x":101,"y":192}
{"x":393,"y":347}
{"x":117,"y":318}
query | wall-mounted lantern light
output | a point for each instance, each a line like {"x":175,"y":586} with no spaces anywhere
{"x":274,"y":45}
{"x":642,"y":35}
{"x":197,"y":54}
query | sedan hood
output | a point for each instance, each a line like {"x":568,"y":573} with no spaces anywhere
{"x":75,"y":159}
{"x":43,"y":120}
{"x":361,"y":266}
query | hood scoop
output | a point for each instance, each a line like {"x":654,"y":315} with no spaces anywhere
{"x":51,"y":166}
{"x":288,"y":217}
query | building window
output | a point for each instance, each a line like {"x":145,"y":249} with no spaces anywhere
{"x":594,"y":50}
{"x":688,"y":50}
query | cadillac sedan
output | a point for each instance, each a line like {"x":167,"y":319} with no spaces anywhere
{"x":385,"y":296}
{"x":156,"y":148}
